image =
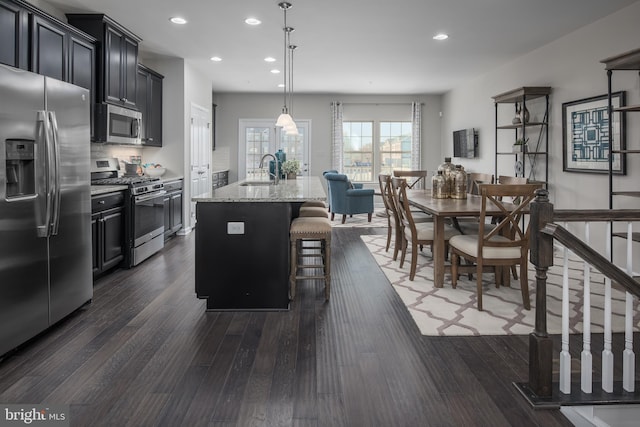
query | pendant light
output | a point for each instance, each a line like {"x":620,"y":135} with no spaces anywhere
{"x":292,"y":129}
{"x":284,"y":118}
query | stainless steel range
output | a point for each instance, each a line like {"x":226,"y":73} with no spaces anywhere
{"x":144,"y":209}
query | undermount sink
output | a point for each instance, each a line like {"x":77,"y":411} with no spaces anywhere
{"x":252,"y":183}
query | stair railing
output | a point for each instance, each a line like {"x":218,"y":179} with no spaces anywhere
{"x":545,"y":229}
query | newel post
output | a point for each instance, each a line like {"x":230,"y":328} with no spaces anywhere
{"x":541,"y":256}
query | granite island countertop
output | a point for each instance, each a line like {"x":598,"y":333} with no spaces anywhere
{"x":288,"y":190}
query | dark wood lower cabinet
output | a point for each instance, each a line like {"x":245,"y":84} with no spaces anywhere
{"x":107,"y":230}
{"x":172,"y":208}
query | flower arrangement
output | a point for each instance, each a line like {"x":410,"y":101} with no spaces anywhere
{"x":291,"y":167}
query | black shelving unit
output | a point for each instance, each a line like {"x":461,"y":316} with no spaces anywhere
{"x":536,"y":151}
{"x":628,"y":61}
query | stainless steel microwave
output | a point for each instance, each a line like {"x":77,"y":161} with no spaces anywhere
{"x":118,"y":125}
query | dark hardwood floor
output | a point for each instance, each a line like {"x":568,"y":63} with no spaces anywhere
{"x":146,"y":353}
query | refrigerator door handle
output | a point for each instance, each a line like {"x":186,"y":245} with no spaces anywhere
{"x":55,"y":221}
{"x":43,"y":230}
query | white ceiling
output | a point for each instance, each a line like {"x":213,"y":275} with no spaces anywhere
{"x":348,"y":46}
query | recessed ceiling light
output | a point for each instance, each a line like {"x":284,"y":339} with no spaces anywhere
{"x":440,"y":36}
{"x":253,"y":21}
{"x":178,"y":20}
{"x":270,"y":59}
{"x":274,"y":71}
{"x":216,"y":59}
{"x":281,"y":85}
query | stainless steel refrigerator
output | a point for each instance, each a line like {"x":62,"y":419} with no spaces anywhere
{"x":45,"y":203}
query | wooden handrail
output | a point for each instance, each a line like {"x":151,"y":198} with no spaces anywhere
{"x":539,"y":389}
{"x":596,"y":215}
{"x":585,"y":252}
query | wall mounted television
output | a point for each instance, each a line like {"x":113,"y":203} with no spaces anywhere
{"x":465,"y":143}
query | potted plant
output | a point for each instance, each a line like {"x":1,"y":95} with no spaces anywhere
{"x":520,"y":146}
{"x":291,"y":168}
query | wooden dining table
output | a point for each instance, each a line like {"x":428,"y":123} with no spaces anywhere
{"x":441,"y":209}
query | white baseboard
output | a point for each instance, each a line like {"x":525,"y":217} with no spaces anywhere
{"x":184,"y":231}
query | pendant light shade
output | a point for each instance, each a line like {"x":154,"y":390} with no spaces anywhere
{"x":285,"y":118}
{"x":291,"y":129}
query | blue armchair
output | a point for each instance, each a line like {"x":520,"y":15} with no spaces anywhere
{"x":346,"y":200}
{"x":328,"y":189}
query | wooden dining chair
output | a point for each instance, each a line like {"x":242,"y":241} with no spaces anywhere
{"x":415,"y":178}
{"x":506,"y":244}
{"x":394,"y":227}
{"x":511,"y":180}
{"x":476,"y":178}
{"x":415,"y":233}
{"x":506,"y":179}
{"x":470,"y":225}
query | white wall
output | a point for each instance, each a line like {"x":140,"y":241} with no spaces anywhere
{"x":182,"y":85}
{"x":171,"y":154}
{"x":571,"y":66}
{"x":235,"y":106}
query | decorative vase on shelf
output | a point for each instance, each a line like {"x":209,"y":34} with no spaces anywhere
{"x":522,"y":115}
{"x":521,"y":146}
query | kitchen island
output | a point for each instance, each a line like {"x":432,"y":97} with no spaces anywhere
{"x":242,"y":242}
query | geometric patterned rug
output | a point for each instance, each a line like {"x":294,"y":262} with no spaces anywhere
{"x":447,"y":311}
{"x":359,"y":220}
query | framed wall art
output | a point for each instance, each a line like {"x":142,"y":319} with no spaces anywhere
{"x":585,"y":135}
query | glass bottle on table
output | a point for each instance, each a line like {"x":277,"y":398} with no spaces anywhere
{"x":447,"y":169}
{"x":439,"y":186}
{"x":459,"y":187}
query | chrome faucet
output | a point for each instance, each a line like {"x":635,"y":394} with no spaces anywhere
{"x":276,"y":175}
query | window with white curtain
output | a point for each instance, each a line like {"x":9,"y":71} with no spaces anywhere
{"x":373,"y":147}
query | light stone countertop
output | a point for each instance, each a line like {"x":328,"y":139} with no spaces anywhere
{"x":298,"y":190}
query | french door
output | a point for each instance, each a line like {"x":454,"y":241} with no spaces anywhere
{"x":260,"y":137}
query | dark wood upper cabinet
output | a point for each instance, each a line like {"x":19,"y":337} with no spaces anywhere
{"x":50,"y":43}
{"x":35,"y":41}
{"x":149,"y":99}
{"x":117,"y":53}
{"x":142,"y":75}
{"x":82,"y":69}
{"x":14,"y":35}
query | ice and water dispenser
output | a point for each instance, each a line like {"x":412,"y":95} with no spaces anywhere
{"x":20,"y":168}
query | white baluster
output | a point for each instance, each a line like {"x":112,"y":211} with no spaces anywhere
{"x":586,"y":362}
{"x":607,"y":354}
{"x":565,"y":357}
{"x":628,"y":357}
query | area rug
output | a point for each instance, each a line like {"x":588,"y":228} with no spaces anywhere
{"x":359,"y":220}
{"x":448,"y":311}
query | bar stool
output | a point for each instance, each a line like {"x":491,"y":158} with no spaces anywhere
{"x":318,"y":231}
{"x":313,"y":211}
{"x":314,"y":204}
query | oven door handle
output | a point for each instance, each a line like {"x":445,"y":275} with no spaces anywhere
{"x":145,"y":197}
